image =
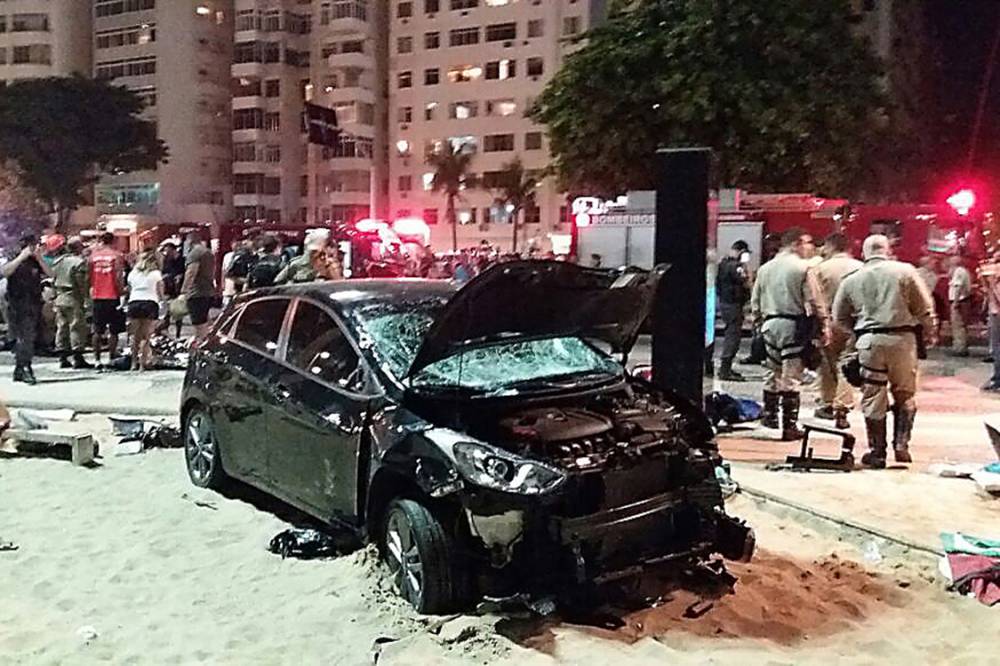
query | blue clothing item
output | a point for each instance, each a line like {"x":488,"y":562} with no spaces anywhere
{"x":995,"y":347}
{"x":462,"y":274}
{"x":710,"y":315}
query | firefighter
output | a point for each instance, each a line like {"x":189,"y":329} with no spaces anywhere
{"x":835,"y":394}
{"x":732,"y":289}
{"x":788,"y":306}
{"x":888,"y":306}
{"x":960,"y":297}
{"x":70,"y":272}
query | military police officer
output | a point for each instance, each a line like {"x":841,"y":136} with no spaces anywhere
{"x":72,"y":283}
{"x":888,"y":306}
{"x":788,"y":306}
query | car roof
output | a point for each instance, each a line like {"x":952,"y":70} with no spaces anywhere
{"x":354,"y":293}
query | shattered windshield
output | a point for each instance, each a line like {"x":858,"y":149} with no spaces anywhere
{"x":397,"y":337}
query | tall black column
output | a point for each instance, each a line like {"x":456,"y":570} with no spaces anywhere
{"x":681,"y":241}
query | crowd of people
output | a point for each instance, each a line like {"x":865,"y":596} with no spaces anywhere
{"x":856,"y":322}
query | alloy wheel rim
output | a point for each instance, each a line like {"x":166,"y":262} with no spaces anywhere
{"x":404,"y":558}
{"x":201,"y":447}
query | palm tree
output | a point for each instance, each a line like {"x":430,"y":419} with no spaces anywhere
{"x":516,"y":192}
{"x":451,"y":176}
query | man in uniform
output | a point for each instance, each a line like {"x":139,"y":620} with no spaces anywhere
{"x":788,"y":306}
{"x":835,"y":394}
{"x":24,"y":274}
{"x":959,"y":295}
{"x":314,"y":264}
{"x":732,"y":289}
{"x":70,"y":273}
{"x":887,"y":305}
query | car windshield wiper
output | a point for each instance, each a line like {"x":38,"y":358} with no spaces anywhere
{"x":568,"y":380}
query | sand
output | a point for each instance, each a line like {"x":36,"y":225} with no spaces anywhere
{"x":130,"y":564}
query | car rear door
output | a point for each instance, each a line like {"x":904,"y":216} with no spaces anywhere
{"x":251,"y":366}
{"x":317,"y":428}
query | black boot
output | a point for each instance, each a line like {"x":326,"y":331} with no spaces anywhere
{"x":80,"y":363}
{"x":790,"y":403}
{"x":769,"y":415}
{"x":875,"y":458}
{"x":24,"y":375}
{"x":29,"y":375}
{"x":726,"y":372}
{"x":64,"y":361}
{"x":902,"y":426}
{"x":840,"y":419}
{"x":825,"y":413}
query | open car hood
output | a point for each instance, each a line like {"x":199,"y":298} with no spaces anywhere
{"x":542,"y":299}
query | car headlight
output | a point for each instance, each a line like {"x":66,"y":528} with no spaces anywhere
{"x":493,"y":468}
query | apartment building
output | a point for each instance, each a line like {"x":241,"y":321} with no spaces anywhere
{"x":466,"y":72}
{"x":176,"y":54}
{"x":41,"y":38}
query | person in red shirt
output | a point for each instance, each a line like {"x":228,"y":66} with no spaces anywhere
{"x":107,"y":285}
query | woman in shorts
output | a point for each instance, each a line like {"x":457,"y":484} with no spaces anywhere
{"x":145,"y":293}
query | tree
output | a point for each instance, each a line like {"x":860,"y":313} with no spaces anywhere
{"x":516,"y":192}
{"x":65,"y":132}
{"x":451,"y":175}
{"x":20,"y":210}
{"x":786,"y":94}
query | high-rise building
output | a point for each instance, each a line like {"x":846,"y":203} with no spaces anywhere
{"x":41,"y":38}
{"x":466,"y":72}
{"x":177,"y":55}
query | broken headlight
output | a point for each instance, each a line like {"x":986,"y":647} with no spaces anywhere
{"x":493,"y":468}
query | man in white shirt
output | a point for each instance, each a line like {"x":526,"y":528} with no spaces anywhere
{"x":959,"y":296}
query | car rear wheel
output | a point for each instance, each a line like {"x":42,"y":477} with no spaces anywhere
{"x":201,"y":450}
{"x":422,"y":558}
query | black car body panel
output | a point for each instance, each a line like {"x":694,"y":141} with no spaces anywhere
{"x":583,"y":477}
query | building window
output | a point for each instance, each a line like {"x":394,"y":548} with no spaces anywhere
{"x":463,"y":110}
{"x":432,"y":76}
{"x":244,"y":152}
{"x":533,"y":141}
{"x":464,"y":73}
{"x":501,"y":107}
{"x":432,"y":40}
{"x":248,"y":119}
{"x":498,"y":143}
{"x":117,"y":68}
{"x":272,"y":88}
{"x":571,"y":25}
{"x":464,"y":4}
{"x":405,"y":183}
{"x":30,"y":23}
{"x":463,"y":37}
{"x":432,"y":6}
{"x":115,"y":7}
{"x":536,"y":28}
{"x":429,"y":110}
{"x":501,"y":69}
{"x":272,"y":154}
{"x":536,"y":66}
{"x":501,"y":32}
{"x":406,"y":79}
{"x":405,"y":9}
{"x":532,"y":214}
{"x":430,"y":215}
{"x":404,"y":45}
{"x":109,"y":39}
{"x":463,"y":144}
{"x":272,"y":121}
{"x":405,"y":115}
{"x":247,"y":87}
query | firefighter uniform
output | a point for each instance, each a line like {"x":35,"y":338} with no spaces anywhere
{"x":835,"y":394}
{"x":784,"y":296}
{"x":70,"y":276}
{"x":885,"y":302}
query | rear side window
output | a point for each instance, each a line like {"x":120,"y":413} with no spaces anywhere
{"x":318,"y":346}
{"x":260,"y":325}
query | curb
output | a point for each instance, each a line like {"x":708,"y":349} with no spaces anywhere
{"x":158,"y":412}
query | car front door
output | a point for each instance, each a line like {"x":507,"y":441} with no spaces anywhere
{"x":251,"y":367}
{"x":318,"y":426}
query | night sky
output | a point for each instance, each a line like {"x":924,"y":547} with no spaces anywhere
{"x":963,"y":32}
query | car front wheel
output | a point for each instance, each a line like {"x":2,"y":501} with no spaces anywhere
{"x":422,"y":558}
{"x":201,"y":450}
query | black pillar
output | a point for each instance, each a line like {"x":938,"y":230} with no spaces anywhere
{"x":681,"y":241}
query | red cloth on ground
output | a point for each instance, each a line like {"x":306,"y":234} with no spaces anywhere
{"x":986,"y":588}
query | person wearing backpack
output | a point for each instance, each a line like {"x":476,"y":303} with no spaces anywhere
{"x":237,"y":269}
{"x":269,"y":264}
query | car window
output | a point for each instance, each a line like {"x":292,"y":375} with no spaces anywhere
{"x":317,"y":345}
{"x":260,"y":324}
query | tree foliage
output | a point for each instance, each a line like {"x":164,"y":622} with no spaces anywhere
{"x":20,"y":210}
{"x":517,"y":191}
{"x":452,"y":174}
{"x":64,"y":132}
{"x":786,"y":94}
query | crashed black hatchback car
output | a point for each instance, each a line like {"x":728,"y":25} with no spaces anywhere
{"x":486,"y":438}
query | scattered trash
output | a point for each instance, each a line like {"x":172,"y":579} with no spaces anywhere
{"x":168,"y":354}
{"x":126,"y":426}
{"x":726,"y":483}
{"x":972,"y":565}
{"x":129,"y":447}
{"x":162,"y":436}
{"x":39,"y":419}
{"x":987,"y":481}
{"x":953,"y":471}
{"x":518,"y":603}
{"x":87,"y":633}
{"x":8,"y":546}
{"x":143,"y":434}
{"x":872,"y":553}
{"x":698,"y":608}
{"x":378,"y":644}
{"x":201,"y":503}
{"x":304,"y":544}
{"x":723,"y":408}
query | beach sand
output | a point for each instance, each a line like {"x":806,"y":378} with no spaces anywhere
{"x":128,"y":563}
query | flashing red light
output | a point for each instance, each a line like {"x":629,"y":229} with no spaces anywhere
{"x":962,"y":201}
{"x":412,"y":226}
{"x":369,"y":226}
{"x":582,"y":220}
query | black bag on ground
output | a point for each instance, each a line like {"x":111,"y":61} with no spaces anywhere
{"x":303,"y":544}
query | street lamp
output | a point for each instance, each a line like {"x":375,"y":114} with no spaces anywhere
{"x":962,"y":201}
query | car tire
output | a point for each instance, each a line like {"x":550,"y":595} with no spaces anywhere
{"x":422,"y":556}
{"x":202,"y":451}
